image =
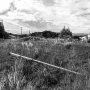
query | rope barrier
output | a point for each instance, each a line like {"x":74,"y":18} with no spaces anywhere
{"x":17,"y":55}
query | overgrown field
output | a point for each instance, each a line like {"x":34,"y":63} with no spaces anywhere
{"x":17,"y":73}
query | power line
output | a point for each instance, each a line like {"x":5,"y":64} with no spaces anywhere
{"x":20,"y":26}
{"x":13,"y":23}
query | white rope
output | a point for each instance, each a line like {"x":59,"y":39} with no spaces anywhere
{"x":17,"y":55}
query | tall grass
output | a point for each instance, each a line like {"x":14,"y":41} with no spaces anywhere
{"x":29,"y":75}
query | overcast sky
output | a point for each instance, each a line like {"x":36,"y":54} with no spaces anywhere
{"x":39,"y":15}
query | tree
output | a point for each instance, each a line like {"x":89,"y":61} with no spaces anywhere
{"x":65,"y":33}
{"x":3,"y":34}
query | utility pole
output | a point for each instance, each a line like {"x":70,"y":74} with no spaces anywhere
{"x":21,"y":30}
{"x":29,"y":31}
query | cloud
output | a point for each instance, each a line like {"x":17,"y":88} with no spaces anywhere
{"x":48,"y":2}
{"x":4,"y":5}
{"x":41,"y":14}
{"x":38,"y":24}
{"x":10,"y":8}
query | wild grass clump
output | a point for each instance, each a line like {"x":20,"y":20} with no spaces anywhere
{"x":12,"y":79}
